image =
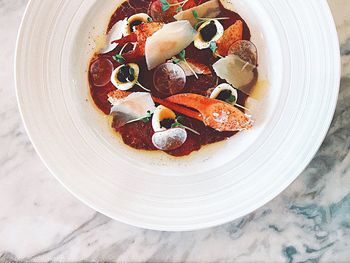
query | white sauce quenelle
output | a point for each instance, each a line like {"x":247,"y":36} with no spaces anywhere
{"x":167,"y":42}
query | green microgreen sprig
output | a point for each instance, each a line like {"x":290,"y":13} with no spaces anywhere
{"x":166,"y":5}
{"x":145,"y":118}
{"x":148,"y":117}
{"x":182,"y":57}
{"x":119,"y":58}
{"x":213,"y":47}
{"x":179,"y":124}
{"x":232,"y":99}
{"x":132,"y":73}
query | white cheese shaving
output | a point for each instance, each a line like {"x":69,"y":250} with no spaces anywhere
{"x":115,"y":33}
{"x":167,"y":42}
{"x":235,"y":71}
{"x":210,"y":9}
{"x":131,"y":108}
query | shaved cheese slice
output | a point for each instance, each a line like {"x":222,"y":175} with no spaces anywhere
{"x":169,"y":41}
{"x":210,"y":9}
{"x":239,"y":73}
{"x":115,"y":33}
{"x":131,"y":108}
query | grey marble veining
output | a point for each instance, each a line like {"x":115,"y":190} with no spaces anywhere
{"x":41,"y":221}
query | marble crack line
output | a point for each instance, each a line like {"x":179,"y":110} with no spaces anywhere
{"x":73,"y":235}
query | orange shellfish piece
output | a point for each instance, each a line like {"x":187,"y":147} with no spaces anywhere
{"x":216,"y":114}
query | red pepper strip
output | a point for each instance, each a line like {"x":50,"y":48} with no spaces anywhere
{"x":175,"y":107}
{"x":127,"y":39}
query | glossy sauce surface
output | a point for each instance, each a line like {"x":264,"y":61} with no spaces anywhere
{"x":139,"y":134}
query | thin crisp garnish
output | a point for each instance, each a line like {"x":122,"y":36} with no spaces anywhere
{"x":178,"y":124}
{"x":182,"y":57}
{"x":242,"y":107}
{"x":145,"y":118}
{"x":142,"y":87}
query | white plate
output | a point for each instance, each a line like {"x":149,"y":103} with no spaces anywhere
{"x":299,"y":56}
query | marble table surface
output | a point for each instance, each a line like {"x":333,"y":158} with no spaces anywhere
{"x":40,"y":221}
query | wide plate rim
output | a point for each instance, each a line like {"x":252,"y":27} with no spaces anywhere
{"x":321,"y":137}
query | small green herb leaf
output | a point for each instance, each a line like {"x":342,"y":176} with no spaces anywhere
{"x":175,"y":124}
{"x":178,"y":9}
{"x":196,"y":26}
{"x":148,"y":117}
{"x":195,"y":14}
{"x":149,"y":19}
{"x":119,"y":58}
{"x":145,"y":119}
{"x":232,"y":99}
{"x":165,"y":5}
{"x":165,"y":8}
{"x":176,"y":60}
{"x":131,"y":71}
{"x":213,"y":47}
{"x":182,"y":55}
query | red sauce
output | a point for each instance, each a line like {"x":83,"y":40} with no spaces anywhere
{"x":139,"y":134}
